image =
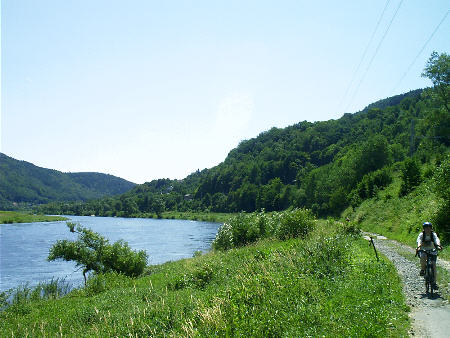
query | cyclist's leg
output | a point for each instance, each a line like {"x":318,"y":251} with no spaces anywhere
{"x":433,"y":262}
{"x":423,"y":261}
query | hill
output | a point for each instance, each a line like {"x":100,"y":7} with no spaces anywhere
{"x":315,"y":165}
{"x":22,"y":183}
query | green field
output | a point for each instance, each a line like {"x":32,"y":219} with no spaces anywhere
{"x":328,"y":284}
{"x":9,"y":217}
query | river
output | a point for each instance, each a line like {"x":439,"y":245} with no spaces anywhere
{"x":24,"y":247}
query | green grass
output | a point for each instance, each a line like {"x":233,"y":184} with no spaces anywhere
{"x":326,"y":285}
{"x":8,"y":217}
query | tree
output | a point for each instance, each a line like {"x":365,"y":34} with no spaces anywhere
{"x":411,"y":176}
{"x":374,"y":155}
{"x":438,"y":71}
{"x":92,"y":252}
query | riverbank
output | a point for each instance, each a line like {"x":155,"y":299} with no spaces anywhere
{"x":9,"y":217}
{"x":298,"y":287}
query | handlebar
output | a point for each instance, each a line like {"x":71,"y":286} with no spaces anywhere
{"x":427,"y":251}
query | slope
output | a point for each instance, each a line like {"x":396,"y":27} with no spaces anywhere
{"x":22,"y":182}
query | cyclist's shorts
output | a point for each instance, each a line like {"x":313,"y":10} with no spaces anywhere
{"x":433,"y":257}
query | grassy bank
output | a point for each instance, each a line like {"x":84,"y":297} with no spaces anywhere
{"x":8,"y":217}
{"x":328,"y":284}
{"x":398,"y":218}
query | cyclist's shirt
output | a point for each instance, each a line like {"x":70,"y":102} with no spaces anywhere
{"x":427,"y":242}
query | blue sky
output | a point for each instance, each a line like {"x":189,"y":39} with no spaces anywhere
{"x":158,"y":89}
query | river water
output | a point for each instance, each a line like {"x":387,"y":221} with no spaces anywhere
{"x":24,"y":247}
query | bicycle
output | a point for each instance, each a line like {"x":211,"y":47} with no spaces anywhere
{"x":429,"y":271}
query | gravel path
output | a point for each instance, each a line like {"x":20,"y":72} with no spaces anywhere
{"x":430,"y":316}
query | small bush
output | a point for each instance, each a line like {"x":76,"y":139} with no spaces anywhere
{"x":224,"y":238}
{"x":98,"y":283}
{"x":248,"y":228}
{"x":197,"y":279}
{"x":295,"y":223}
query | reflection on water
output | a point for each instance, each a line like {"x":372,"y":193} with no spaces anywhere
{"x":24,"y":247}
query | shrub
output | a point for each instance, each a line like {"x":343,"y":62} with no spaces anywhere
{"x":295,"y":223}
{"x":224,"y":238}
{"x":248,"y":228}
{"x":93,"y":252}
{"x":99,"y":283}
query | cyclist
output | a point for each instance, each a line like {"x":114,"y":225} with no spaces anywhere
{"x":428,"y":240}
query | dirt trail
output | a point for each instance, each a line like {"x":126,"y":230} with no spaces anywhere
{"x":430,"y":317}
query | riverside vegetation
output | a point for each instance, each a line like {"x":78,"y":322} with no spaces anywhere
{"x":9,"y":217}
{"x":320,"y":280}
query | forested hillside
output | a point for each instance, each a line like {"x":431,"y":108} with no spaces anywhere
{"x":24,"y":183}
{"x":325,"y":166}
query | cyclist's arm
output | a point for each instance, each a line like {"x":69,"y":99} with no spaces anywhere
{"x":419,"y":241}
{"x":437,"y":241}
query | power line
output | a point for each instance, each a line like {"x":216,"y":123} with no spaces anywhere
{"x":364,"y":53}
{"x":420,"y":52}
{"x":374,"y":54}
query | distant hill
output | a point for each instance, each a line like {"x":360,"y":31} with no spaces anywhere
{"x":22,"y":182}
{"x":394,"y":100}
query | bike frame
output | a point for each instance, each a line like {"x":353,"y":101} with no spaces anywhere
{"x":429,"y":270}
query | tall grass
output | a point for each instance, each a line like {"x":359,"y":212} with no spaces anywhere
{"x":21,"y":296}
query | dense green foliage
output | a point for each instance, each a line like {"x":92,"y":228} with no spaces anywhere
{"x":9,"y":217}
{"x":441,"y":218}
{"x":248,"y":228}
{"x":438,"y":71}
{"x":328,"y":284}
{"x":92,"y":252}
{"x":22,"y":183}
{"x":399,"y":216}
{"x":411,"y":176}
